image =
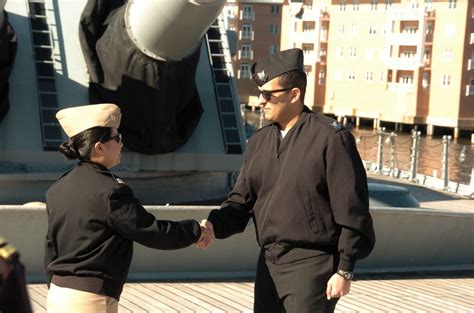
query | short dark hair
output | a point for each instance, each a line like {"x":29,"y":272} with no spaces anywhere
{"x":80,"y":146}
{"x":295,"y":79}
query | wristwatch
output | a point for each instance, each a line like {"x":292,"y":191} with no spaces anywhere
{"x":347,"y":275}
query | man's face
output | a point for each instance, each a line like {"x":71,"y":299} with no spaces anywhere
{"x":275,"y":101}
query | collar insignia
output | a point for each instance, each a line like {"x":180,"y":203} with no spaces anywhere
{"x":120,"y":181}
{"x":262,"y":76}
{"x":336,"y":125}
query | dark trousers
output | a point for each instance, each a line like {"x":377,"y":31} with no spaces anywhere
{"x":295,"y":282}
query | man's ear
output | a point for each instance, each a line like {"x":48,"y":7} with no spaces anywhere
{"x":295,"y":94}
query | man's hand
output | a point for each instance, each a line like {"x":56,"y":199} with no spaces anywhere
{"x":337,"y":287}
{"x":207,"y":235}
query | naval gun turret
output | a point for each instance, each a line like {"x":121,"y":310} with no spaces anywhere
{"x":167,"y":64}
{"x":143,"y":56}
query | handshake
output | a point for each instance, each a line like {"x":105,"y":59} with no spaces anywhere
{"x":207,"y":235}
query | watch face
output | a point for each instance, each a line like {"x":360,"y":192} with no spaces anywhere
{"x":346,"y":274}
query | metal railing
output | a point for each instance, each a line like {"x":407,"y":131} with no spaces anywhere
{"x":446,"y":165}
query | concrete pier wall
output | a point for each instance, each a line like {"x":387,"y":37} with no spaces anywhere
{"x":407,"y":239}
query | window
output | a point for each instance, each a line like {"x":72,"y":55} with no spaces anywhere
{"x":354,"y":29}
{"x":274,"y":29}
{"x":322,"y":52}
{"x":307,"y":69}
{"x":450,"y":30}
{"x":355,"y":5}
{"x":273,"y":49}
{"x":307,"y":48}
{"x":426,"y":55}
{"x":372,"y":29}
{"x":308,"y":26}
{"x":369,"y":76}
{"x":339,"y":52}
{"x":351,"y":75}
{"x":471,"y":40}
{"x":369,"y":53}
{"x":340,"y":29}
{"x":409,"y":30}
{"x":408,"y":54}
{"x":382,"y":77}
{"x":406,"y":80}
{"x":470,"y":88}
{"x":275,"y":9}
{"x":353,"y":52}
{"x":245,"y":52}
{"x":244,"y":71}
{"x":373,"y":5}
{"x":452,"y":4}
{"x":247,"y":32}
{"x":342,"y":5}
{"x":322,"y":77}
{"x":248,"y":12}
{"x":446,"y":80}
{"x":388,"y":4}
{"x":429,"y":29}
{"x":448,"y":55}
{"x":426,"y":80}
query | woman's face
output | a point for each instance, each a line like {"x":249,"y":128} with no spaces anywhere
{"x":112,"y":148}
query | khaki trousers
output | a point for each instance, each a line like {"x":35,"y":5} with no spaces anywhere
{"x":62,"y":300}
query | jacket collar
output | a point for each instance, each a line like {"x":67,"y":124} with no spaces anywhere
{"x":97,"y":166}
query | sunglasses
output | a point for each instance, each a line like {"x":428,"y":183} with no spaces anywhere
{"x":267,"y":94}
{"x":117,"y":138}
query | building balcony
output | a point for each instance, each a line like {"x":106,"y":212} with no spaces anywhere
{"x":305,"y":37}
{"x":405,"y":39}
{"x":246,"y":35}
{"x":469,"y":90}
{"x":409,"y":64}
{"x":247,"y":15}
{"x":310,"y":58}
{"x":470,"y":64}
{"x":243,"y":55}
{"x":311,"y":13}
{"x":400,"y":87}
{"x":406,"y":14}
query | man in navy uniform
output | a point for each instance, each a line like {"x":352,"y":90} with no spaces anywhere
{"x":303,"y":183}
{"x":13,"y":291}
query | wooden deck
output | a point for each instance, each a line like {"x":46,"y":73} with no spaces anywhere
{"x":449,"y":292}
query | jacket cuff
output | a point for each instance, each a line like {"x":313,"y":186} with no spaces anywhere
{"x":346,"y":264}
{"x":214,"y":219}
{"x":196,"y":229}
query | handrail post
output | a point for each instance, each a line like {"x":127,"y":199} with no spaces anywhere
{"x":446,"y":142}
{"x":471,"y":184}
{"x":381,"y":134}
{"x":414,"y":154}
{"x":393,"y":154}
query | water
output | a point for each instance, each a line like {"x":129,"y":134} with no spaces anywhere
{"x":398,"y":153}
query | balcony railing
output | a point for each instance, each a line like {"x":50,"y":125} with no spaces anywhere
{"x":247,"y":15}
{"x":406,"y":14}
{"x":470,"y":64}
{"x":245,"y":54}
{"x":403,"y":87}
{"x":469,"y":90}
{"x":405,"y":39}
{"x":403,"y":63}
{"x":246,"y":35}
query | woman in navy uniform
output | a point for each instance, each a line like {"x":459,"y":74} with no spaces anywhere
{"x":93,"y":218}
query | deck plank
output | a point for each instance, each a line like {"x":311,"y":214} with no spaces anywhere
{"x":371,"y":294}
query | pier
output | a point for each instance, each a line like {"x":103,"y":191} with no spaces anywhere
{"x":446,"y":289}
